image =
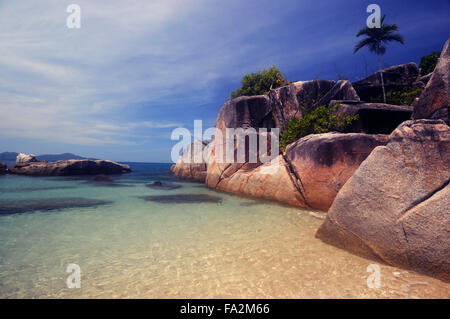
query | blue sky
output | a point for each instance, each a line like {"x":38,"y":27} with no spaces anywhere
{"x":135,"y":70}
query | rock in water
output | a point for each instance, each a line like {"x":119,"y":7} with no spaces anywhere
{"x":28,"y":165}
{"x":163,"y":186}
{"x":187,"y":168}
{"x":14,"y":206}
{"x":311,"y":172}
{"x":396,"y":205}
{"x":182,"y":199}
{"x":102,"y":178}
{"x":435,"y":99}
{"x":25,"y":158}
{"x":243,"y":112}
{"x":3,"y":168}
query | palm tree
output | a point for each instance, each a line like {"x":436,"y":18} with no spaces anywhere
{"x":376,"y":40}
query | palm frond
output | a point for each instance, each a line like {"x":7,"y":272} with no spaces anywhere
{"x":394,"y":37}
{"x":365,"y":42}
{"x":375,"y":37}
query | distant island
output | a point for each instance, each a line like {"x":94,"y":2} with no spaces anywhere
{"x":11,"y":156}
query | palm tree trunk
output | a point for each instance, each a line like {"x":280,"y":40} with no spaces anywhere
{"x":382,"y":81}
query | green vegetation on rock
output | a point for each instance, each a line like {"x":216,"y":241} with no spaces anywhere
{"x":429,"y":62}
{"x":320,"y":120}
{"x":404,"y":96}
{"x":260,"y":82}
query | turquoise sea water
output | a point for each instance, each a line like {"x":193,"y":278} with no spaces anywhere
{"x":132,"y":241}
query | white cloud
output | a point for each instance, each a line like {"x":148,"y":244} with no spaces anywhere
{"x":63,"y":84}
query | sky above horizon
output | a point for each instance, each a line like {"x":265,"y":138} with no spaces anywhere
{"x":135,"y":70}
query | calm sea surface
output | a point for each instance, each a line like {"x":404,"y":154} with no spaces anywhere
{"x":134,"y":241}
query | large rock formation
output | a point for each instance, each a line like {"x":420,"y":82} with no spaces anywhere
{"x":309,"y":175}
{"x":3,"y":168}
{"x":28,"y":165}
{"x":272,"y":111}
{"x":342,"y":90}
{"x":422,"y":81}
{"x":186,"y":166}
{"x":435,"y":99}
{"x":373,"y":118}
{"x":395,"y":77}
{"x":395,"y":207}
{"x":292,"y":100}
{"x":243,"y":112}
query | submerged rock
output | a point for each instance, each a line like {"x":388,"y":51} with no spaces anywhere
{"x":435,"y":99}
{"x":396,"y":205}
{"x":8,"y":207}
{"x":28,"y":165}
{"x":36,"y":189}
{"x":182,"y":199}
{"x":163,"y":186}
{"x":102,"y":178}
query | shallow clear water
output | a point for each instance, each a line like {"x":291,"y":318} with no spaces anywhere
{"x":130,"y":247}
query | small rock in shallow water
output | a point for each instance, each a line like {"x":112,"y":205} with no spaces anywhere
{"x":9,"y":207}
{"x":102,"y":178}
{"x":183,"y":199}
{"x":164,"y":186}
{"x":248,"y":204}
{"x":20,"y":190}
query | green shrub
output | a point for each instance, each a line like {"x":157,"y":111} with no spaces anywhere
{"x":428,"y":62}
{"x":405,"y":96}
{"x":320,"y":120}
{"x":260,"y":82}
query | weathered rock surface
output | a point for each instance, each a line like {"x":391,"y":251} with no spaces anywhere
{"x":187,"y":167}
{"x":373,"y":118}
{"x":395,"y":207}
{"x":342,"y":90}
{"x":243,"y":112}
{"x":395,"y":77}
{"x":309,"y":175}
{"x":272,"y":111}
{"x":28,"y":165}
{"x":422,"y":81}
{"x":311,"y":92}
{"x":288,"y":102}
{"x":3,"y":168}
{"x":435,"y":99}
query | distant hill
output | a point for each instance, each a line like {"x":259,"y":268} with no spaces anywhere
{"x":8,"y":156}
{"x":59,"y":157}
{"x":11,"y":156}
